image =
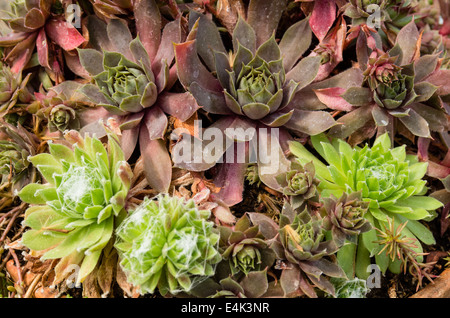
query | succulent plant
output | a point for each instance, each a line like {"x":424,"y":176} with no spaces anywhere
{"x":34,"y":25}
{"x":389,"y":180}
{"x":397,"y":87}
{"x":355,"y":288}
{"x":388,"y":15}
{"x":299,"y":183}
{"x":132,"y":79}
{"x":62,"y":107}
{"x":111,"y":9}
{"x":257,"y":80}
{"x":251,"y":88}
{"x":251,"y":175}
{"x":72,"y":216}
{"x":302,"y":244}
{"x":244,"y":248}
{"x":398,"y":246}
{"x":344,"y":216}
{"x":434,"y":43}
{"x":253,"y":285}
{"x":15,"y":169}
{"x":169,"y":244}
{"x":381,"y":71}
{"x":14,"y":90}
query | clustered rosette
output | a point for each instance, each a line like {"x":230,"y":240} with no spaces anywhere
{"x":14,"y":91}
{"x":62,"y":107}
{"x":41,"y":25}
{"x":395,"y":89}
{"x":72,"y":217}
{"x":303,"y":245}
{"x":298,"y":183}
{"x":16,"y":146}
{"x":258,"y":80}
{"x":244,"y":247}
{"x":132,"y":78}
{"x":388,"y":179}
{"x":344,"y":216}
{"x":101,"y":103}
{"x":169,"y":244}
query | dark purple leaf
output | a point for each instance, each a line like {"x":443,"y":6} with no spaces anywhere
{"x":264,"y":16}
{"x":190,"y":69}
{"x":179,"y":105}
{"x":148,"y":25}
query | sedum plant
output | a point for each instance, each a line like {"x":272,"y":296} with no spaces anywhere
{"x":72,"y":217}
{"x":388,"y":179}
{"x":169,"y":244}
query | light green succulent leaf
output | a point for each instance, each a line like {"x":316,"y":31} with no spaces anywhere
{"x":417,"y":171}
{"x":304,"y":156}
{"x":419,"y":230}
{"x":45,"y":159}
{"x":87,"y":266}
{"x":67,"y":246}
{"x":62,"y":152}
{"x":31,"y":193}
{"x":41,"y":218}
{"x":424,"y":202}
{"x":37,"y":240}
{"x":383,"y":140}
{"x":417,"y":214}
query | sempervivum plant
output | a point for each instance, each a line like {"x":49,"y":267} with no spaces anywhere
{"x":388,"y":15}
{"x":244,"y":248}
{"x":110,"y":9}
{"x":14,"y":91}
{"x":40,"y":25}
{"x":16,"y":146}
{"x":306,"y":253}
{"x":389,"y":180}
{"x":299,"y":183}
{"x":344,"y":216}
{"x":72,"y":216}
{"x":393,"y":88}
{"x":257,"y":80}
{"x":169,"y":244}
{"x":132,"y":78}
{"x":62,"y":107}
{"x":251,"y":88}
